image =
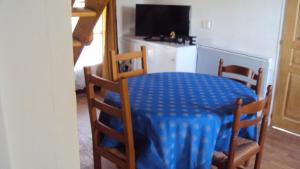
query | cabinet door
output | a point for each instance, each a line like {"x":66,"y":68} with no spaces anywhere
{"x":161,"y":59}
{"x":151,"y":61}
{"x":186,"y":59}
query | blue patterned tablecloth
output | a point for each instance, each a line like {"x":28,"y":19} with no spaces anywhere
{"x":179,"y":119}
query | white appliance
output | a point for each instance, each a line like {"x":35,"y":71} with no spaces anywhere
{"x":208,"y":61}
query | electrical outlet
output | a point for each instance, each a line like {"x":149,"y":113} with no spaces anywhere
{"x":206,"y":24}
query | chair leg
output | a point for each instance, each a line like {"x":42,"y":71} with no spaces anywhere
{"x":97,"y":162}
{"x":247,"y":163}
{"x":258,"y":160}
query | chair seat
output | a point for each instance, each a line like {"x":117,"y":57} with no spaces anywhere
{"x":245,"y":148}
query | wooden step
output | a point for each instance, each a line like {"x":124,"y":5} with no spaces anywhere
{"x":83,"y":12}
{"x":76,"y":43}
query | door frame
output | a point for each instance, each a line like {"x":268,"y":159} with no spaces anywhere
{"x":277,"y":58}
{"x":276,"y":73}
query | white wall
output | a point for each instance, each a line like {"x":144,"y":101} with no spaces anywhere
{"x":38,"y":107}
{"x":251,"y":27}
{"x":125,"y":17}
{"x":4,"y":155}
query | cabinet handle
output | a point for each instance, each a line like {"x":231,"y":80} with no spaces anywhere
{"x":173,"y":60}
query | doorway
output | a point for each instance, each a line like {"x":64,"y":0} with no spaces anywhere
{"x":286,"y":112}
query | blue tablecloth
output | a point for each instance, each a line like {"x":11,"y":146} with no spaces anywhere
{"x":179,"y":119}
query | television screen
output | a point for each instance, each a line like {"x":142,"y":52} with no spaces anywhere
{"x":156,"y":20}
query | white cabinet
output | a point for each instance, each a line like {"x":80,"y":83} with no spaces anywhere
{"x":163,"y":56}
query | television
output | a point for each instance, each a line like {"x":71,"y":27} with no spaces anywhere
{"x":161,"y":20}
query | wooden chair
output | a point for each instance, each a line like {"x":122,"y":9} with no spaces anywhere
{"x":243,"y":71}
{"x":116,"y":58}
{"x":123,"y":159}
{"x":241,"y":149}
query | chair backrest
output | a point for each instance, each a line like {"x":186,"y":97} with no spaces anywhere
{"x":99,"y":129}
{"x":262,"y":106}
{"x":243,"y":71}
{"x":116,"y":58}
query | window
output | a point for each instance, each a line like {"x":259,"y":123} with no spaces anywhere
{"x":92,"y":54}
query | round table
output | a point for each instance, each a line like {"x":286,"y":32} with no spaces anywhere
{"x":179,"y":119}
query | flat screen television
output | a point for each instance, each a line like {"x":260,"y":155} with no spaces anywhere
{"x":161,"y":20}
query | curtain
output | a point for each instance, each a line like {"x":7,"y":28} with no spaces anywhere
{"x":110,"y":37}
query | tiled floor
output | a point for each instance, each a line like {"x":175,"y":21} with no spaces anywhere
{"x":282,"y":151}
